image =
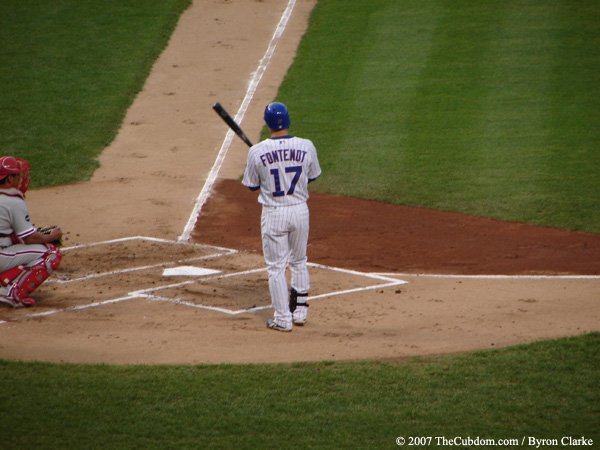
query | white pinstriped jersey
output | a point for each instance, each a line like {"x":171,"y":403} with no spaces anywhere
{"x":282,"y":168}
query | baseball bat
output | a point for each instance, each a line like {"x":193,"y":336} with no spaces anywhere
{"x":229,"y":121}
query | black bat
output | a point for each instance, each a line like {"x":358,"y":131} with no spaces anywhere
{"x":229,"y":121}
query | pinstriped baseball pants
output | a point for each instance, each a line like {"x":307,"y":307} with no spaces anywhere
{"x":284,"y":232}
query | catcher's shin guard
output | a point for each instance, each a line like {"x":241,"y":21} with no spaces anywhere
{"x":32,"y":277}
{"x":294,"y":299}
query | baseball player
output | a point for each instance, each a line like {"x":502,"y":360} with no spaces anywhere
{"x":281,"y":167}
{"x":27,"y":258}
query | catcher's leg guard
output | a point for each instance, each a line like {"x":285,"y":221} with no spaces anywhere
{"x":5,"y":280}
{"x":32,"y":277}
{"x":11,"y":274}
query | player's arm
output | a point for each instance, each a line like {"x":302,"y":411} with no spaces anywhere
{"x":251,"y":177}
{"x":314,"y":169}
{"x":40,"y":238}
{"x":25,"y":232}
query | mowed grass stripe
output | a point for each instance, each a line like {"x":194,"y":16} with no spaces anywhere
{"x":486,"y":108}
{"x":69,"y":70}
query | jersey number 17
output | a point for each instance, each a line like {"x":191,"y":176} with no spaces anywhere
{"x":296,"y":170}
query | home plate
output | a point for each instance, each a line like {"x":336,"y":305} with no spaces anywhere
{"x":189,"y":271}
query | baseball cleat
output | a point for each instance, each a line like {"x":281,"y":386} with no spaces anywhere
{"x":300,"y":315}
{"x":17,"y":303}
{"x":274,"y":325}
{"x":10,"y":301}
{"x":27,"y":302}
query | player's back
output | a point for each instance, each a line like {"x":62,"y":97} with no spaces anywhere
{"x":284,"y":165}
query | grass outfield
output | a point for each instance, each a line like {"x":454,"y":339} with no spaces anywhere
{"x":69,"y":70}
{"x":483,"y":107}
{"x":490,"y":108}
{"x":546,"y":390}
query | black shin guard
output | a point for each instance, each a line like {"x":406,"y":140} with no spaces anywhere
{"x":294,"y":299}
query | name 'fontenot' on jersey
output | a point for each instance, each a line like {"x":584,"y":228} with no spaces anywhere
{"x":282,"y":167}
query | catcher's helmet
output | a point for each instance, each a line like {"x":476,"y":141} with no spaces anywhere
{"x":10,"y":165}
{"x":277,"y":116}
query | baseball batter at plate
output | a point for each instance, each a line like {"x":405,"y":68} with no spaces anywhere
{"x":27,"y":256}
{"x":281,"y":168}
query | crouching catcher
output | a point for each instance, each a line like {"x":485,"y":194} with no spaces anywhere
{"x":28,"y":255}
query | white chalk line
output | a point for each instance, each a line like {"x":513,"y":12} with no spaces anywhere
{"x":71,"y":308}
{"x":492,"y":277}
{"x":137,"y":269}
{"x":148,"y":293}
{"x":221,"y":251}
{"x":380,"y":276}
{"x":142,"y":292}
{"x":239,"y":117}
{"x":206,"y":307}
{"x":151,"y":239}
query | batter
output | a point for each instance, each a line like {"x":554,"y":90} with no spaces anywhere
{"x":281,"y":168}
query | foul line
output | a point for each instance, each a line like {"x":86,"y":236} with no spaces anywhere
{"x":71,"y":308}
{"x":212,"y":176}
{"x":493,"y":277}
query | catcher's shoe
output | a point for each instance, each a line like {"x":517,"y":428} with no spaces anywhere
{"x":17,"y":303}
{"x":9,"y":301}
{"x":274,"y":325}
{"x":300,"y":314}
{"x":27,"y":302}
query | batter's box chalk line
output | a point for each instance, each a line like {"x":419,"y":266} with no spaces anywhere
{"x":384,"y":281}
{"x":151,"y":293}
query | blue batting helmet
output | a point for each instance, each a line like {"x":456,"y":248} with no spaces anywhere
{"x":277,"y":116}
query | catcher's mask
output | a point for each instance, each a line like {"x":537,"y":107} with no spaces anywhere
{"x":10,"y":165}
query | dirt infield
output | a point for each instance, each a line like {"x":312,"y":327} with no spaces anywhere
{"x":388,"y":282}
{"x":378,"y":237}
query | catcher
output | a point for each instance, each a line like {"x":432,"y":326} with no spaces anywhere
{"x":27,"y":255}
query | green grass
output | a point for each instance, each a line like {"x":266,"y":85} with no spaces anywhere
{"x":69,"y":71}
{"x":490,"y":108}
{"x":546,"y":390}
